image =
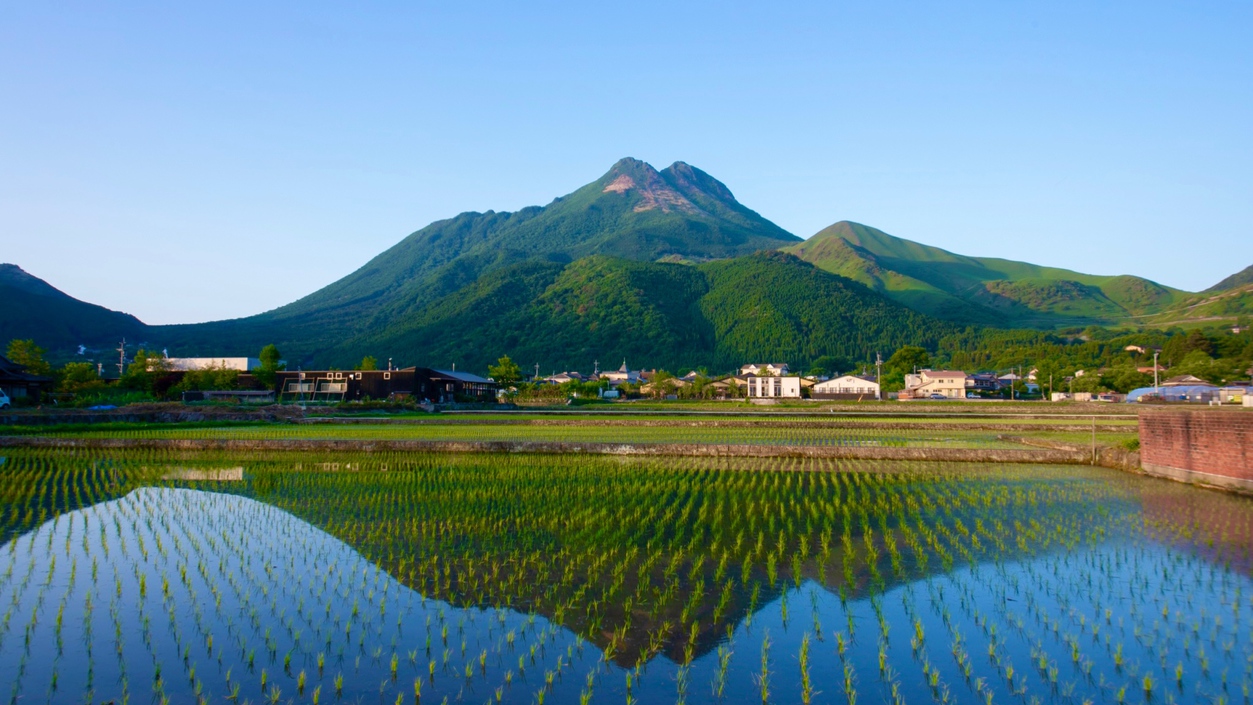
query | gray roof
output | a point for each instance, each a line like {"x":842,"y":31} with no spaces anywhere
{"x":463,"y":376}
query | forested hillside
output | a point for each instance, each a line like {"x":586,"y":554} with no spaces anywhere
{"x":980,"y":290}
{"x":32,"y":308}
{"x":714,"y":315}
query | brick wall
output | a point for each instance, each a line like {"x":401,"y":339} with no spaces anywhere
{"x":1213,"y":447}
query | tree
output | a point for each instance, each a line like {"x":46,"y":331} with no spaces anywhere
{"x":907,"y":359}
{"x":78,"y":377}
{"x":367,"y":363}
{"x":1199,"y":341}
{"x":145,"y":369}
{"x":271,"y":362}
{"x":829,"y":365}
{"x":506,"y":372}
{"x":29,"y":355}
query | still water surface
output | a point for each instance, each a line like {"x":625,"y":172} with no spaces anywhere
{"x":1104,"y":588}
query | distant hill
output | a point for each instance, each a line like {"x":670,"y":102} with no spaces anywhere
{"x":1240,"y":278}
{"x":980,"y":290}
{"x":58,"y":322}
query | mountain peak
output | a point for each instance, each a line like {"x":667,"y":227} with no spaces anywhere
{"x":633,"y":177}
{"x":18,"y":278}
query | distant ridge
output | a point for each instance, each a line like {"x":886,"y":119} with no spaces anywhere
{"x":33,"y":308}
{"x":665,"y":267}
{"x":1240,"y":278}
{"x":979,"y":290}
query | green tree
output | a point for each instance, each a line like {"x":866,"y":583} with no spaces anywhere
{"x":29,"y":355}
{"x":1199,"y":341}
{"x":79,"y":377}
{"x":506,"y":372}
{"x":144,"y":371}
{"x":367,"y":363}
{"x":907,"y":359}
{"x":271,"y":362}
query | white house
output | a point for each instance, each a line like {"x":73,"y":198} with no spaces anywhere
{"x":184,"y":364}
{"x":773,"y":387}
{"x":949,"y":383}
{"x":622,"y":375}
{"x":563,"y":377}
{"x":775,"y":369}
{"x":847,"y":385}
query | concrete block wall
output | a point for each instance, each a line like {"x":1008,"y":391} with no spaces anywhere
{"x":1210,"y":447}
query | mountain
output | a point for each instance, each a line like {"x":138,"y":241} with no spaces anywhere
{"x":33,"y":308}
{"x":768,"y":305}
{"x":1240,"y":278}
{"x":633,"y":212}
{"x":980,"y":290}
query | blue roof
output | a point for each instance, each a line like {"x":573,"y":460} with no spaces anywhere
{"x":1184,"y":393}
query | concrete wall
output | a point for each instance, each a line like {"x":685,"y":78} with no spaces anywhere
{"x":1199,"y":446}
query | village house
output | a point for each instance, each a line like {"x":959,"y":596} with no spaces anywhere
{"x":848,"y":387}
{"x":772,"y":387}
{"x":983,"y":383}
{"x":17,"y":383}
{"x":623,"y":375}
{"x":766,"y":369}
{"x":187,"y":364}
{"x":437,"y":386}
{"x":926,"y":384}
{"x":563,"y":377}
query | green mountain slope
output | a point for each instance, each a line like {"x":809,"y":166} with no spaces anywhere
{"x":716,"y":314}
{"x":1240,"y":278}
{"x":58,"y":322}
{"x":632,"y":212}
{"x":979,"y":290}
{"x":1225,"y":307}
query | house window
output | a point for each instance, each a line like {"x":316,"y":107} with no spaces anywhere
{"x":387,"y":375}
{"x":339,"y":375}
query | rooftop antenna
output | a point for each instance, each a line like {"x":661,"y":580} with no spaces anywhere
{"x":389,"y":364}
{"x":121,"y":360}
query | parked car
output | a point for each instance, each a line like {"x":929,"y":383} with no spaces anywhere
{"x":4,"y":400}
{"x":938,"y":397}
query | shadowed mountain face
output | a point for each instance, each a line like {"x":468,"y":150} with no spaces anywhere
{"x":980,"y":290}
{"x":32,"y":308}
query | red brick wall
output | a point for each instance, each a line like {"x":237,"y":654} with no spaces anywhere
{"x":1206,"y":441}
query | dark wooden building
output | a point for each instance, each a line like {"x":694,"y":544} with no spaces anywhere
{"x":418,"y":383}
{"x":20,"y":384}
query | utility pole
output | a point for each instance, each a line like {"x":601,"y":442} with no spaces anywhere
{"x":536,"y":377}
{"x":121,"y":360}
{"x":389,"y":364}
{"x":1155,"y":389}
{"x":878,"y":377}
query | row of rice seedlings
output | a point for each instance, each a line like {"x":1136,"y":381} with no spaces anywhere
{"x":783,"y":436}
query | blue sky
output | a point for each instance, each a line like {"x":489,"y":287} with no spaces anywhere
{"x":213,"y":160}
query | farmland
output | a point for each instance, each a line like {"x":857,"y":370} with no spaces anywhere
{"x":818,"y":430}
{"x":151,"y":575}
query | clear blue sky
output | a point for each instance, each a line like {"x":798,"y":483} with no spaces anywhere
{"x":214,"y":160}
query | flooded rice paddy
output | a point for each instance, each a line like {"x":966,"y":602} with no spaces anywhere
{"x":154,"y":576}
{"x":771,"y":434}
